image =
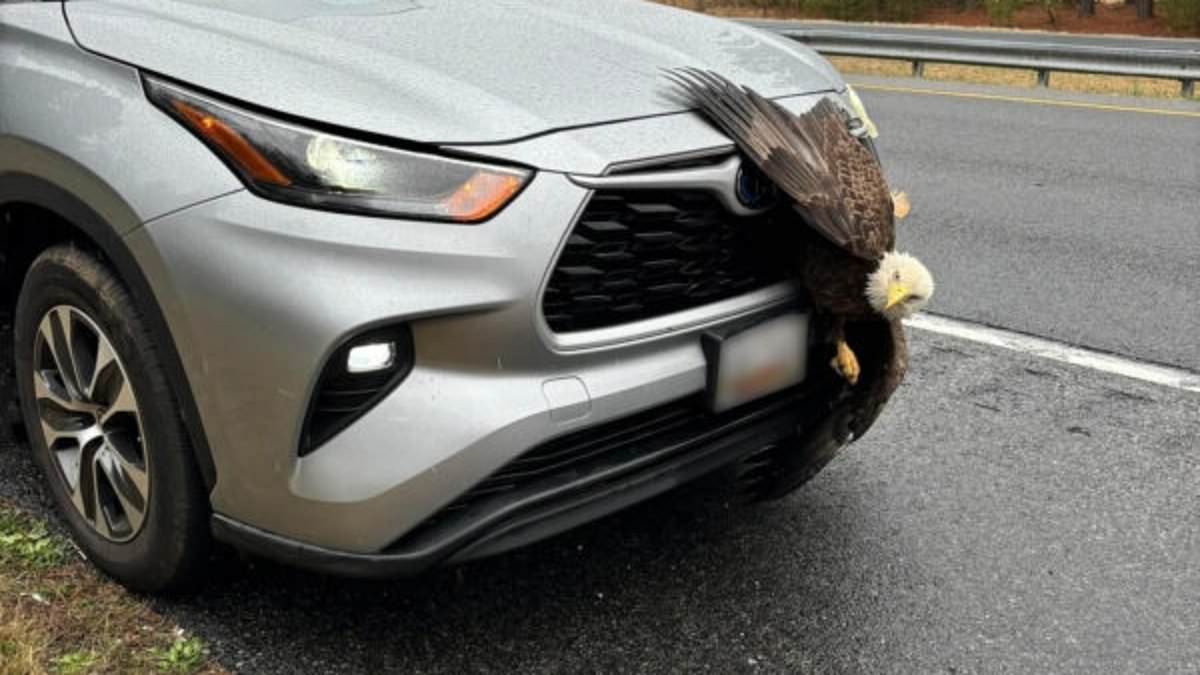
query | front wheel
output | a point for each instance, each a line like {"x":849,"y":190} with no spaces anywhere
{"x":104,"y":426}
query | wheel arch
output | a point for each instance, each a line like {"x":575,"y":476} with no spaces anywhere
{"x":74,"y":220}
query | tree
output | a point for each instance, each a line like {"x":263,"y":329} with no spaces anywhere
{"x":1049,"y":6}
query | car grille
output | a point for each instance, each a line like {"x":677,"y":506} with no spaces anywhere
{"x":638,"y":254}
{"x":651,"y":429}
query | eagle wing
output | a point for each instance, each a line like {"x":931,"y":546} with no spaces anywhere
{"x":835,"y":182}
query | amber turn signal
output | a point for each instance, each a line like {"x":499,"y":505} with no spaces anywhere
{"x":234,"y":147}
{"x":481,"y":196}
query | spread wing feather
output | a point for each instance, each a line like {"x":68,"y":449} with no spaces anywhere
{"x":834,"y":181}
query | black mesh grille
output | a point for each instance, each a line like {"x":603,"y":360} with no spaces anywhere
{"x":643,"y":253}
{"x":678,"y":425}
{"x":648,"y":430}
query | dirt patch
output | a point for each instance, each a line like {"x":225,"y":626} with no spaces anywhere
{"x":1012,"y":77}
{"x":1119,"y":20}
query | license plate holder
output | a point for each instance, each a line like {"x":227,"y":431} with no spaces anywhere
{"x":749,"y":362}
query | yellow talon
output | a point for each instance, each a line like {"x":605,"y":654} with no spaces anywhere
{"x":846,"y":363}
{"x":900,"y":205}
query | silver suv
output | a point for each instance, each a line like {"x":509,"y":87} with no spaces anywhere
{"x":373,"y":285}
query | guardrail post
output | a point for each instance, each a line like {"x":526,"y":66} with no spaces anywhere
{"x":918,"y":69}
{"x":1043,"y":77}
{"x":1188,"y":90}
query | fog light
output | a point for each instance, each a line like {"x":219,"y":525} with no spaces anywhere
{"x":370,"y":358}
{"x":356,"y":377}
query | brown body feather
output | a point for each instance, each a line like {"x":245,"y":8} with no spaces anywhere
{"x":890,"y":367}
{"x":836,"y":283}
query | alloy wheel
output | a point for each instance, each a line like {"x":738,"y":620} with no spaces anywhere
{"x":91,"y":423}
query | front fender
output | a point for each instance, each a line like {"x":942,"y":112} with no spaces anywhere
{"x":83,"y":122}
{"x":69,"y":207}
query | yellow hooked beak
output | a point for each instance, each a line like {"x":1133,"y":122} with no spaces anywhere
{"x":897,"y":294}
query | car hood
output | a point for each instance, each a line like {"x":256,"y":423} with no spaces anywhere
{"x":442,"y":71}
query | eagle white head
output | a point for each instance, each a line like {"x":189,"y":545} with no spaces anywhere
{"x":900,"y":287}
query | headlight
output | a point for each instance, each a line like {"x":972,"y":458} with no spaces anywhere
{"x":288,"y":163}
{"x":860,"y":111}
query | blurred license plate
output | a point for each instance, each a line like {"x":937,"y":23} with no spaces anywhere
{"x":757,"y":361}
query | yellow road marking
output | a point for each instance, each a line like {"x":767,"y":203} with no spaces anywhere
{"x":1028,"y":99}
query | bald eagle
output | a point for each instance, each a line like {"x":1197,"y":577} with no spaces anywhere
{"x":849,"y":266}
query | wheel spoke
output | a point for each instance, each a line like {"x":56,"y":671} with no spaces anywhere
{"x":66,"y":324}
{"x":129,"y":483}
{"x":87,"y":496}
{"x":132,"y":473}
{"x":64,"y":350}
{"x":99,"y":517}
{"x":54,"y":435}
{"x":52,"y":335}
{"x":97,"y":477}
{"x":44,"y":390}
{"x":79,"y":496}
{"x":105,"y":358}
{"x":123,"y":401}
{"x":68,"y":461}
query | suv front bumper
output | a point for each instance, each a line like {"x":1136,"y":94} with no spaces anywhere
{"x":258,"y":295}
{"x":767,"y":448}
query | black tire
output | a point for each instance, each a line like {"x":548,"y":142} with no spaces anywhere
{"x":168,"y":551}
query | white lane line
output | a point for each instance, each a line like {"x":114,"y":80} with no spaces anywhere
{"x":1166,"y":376}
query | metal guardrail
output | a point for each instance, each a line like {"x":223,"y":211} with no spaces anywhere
{"x":986,"y":50}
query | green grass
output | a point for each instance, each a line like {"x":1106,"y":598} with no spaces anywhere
{"x":185,"y":655}
{"x":75,"y":663}
{"x":58,"y":616}
{"x":26,"y":542}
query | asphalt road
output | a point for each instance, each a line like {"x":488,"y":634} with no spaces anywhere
{"x":1079,"y":224}
{"x":1007,"y":514}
